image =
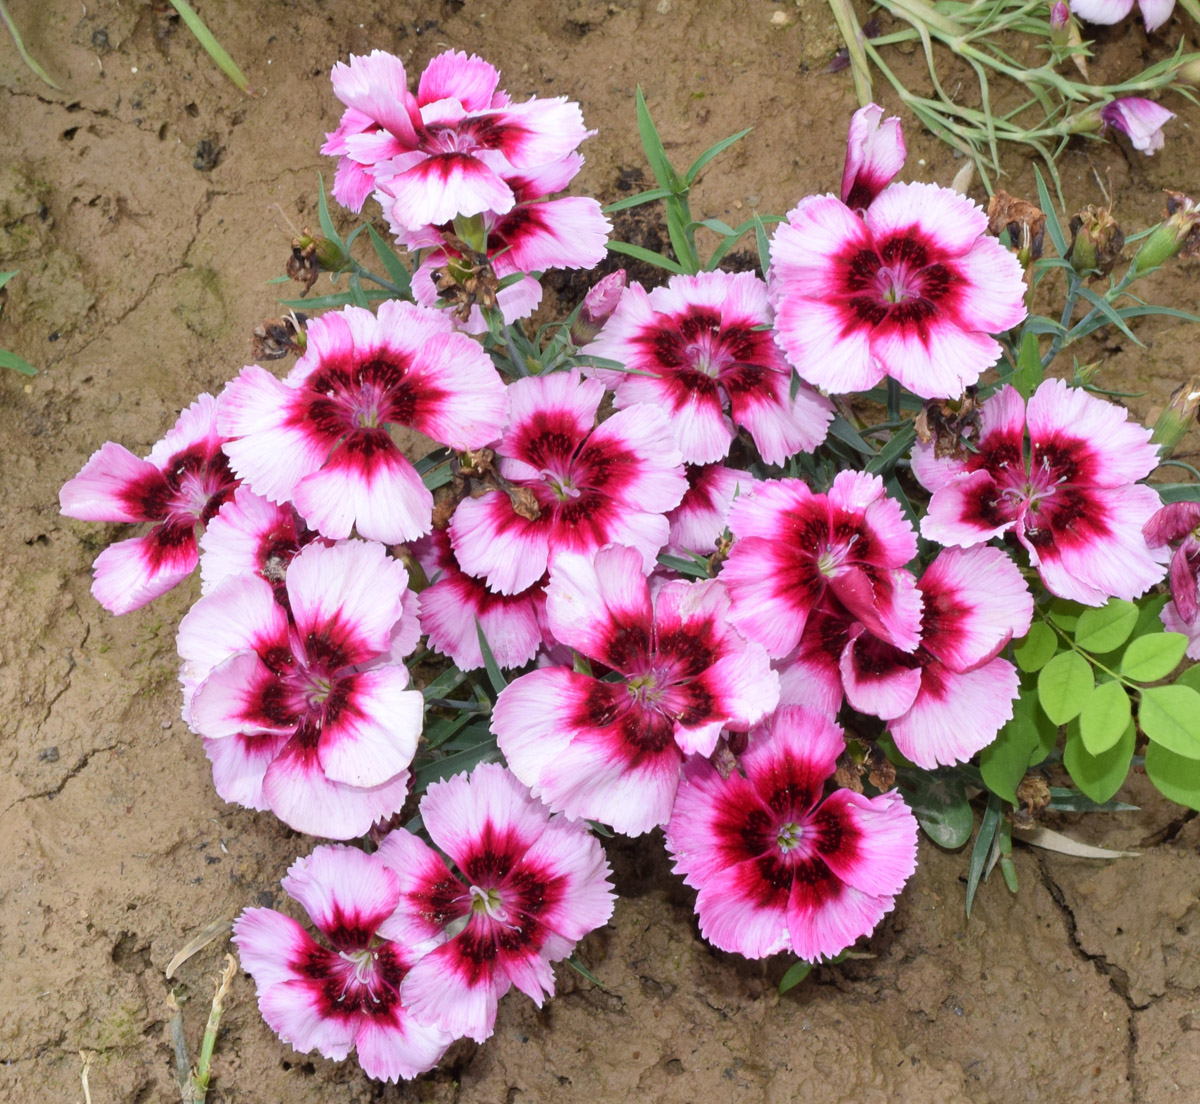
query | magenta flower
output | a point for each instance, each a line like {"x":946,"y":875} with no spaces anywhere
{"x":1178,"y":524}
{"x":874,"y":155}
{"x":792,"y":545}
{"x":346,"y":996}
{"x":528,"y":887}
{"x":700,"y":520}
{"x":454,"y":602}
{"x":704,"y":345}
{"x":777,"y":867}
{"x":611,"y":750}
{"x":308,"y":714}
{"x":591,"y":487}
{"x":320,"y":438}
{"x":1140,"y":120}
{"x":914,"y":289}
{"x":1154,"y":12}
{"x":182,"y":483}
{"x":450,"y":149}
{"x":1070,"y":496}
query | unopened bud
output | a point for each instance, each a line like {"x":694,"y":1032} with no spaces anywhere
{"x":329,"y":256}
{"x":1060,"y":25}
{"x":597,"y":307}
{"x":1085,"y":374}
{"x":1096,"y":241}
{"x":1178,"y":233}
{"x":1177,"y":417}
{"x":1025,"y":223}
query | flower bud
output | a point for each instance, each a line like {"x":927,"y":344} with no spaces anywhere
{"x":1177,"y":417}
{"x":1096,"y":241}
{"x":1178,"y":233}
{"x":874,"y":155}
{"x":1060,"y":24}
{"x":598,"y":305}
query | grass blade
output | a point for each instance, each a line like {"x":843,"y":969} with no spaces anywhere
{"x":19,"y":43}
{"x":206,"y":39}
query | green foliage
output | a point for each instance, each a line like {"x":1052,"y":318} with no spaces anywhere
{"x":11,"y":360}
{"x":208,"y":40}
{"x":1064,"y":685}
{"x":1099,"y":774}
{"x":1023,"y":742}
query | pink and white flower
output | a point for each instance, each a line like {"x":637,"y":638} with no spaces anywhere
{"x":792,"y":545}
{"x":1154,"y":12}
{"x":611,"y":750}
{"x":182,"y":483}
{"x":875,"y":153}
{"x":590,"y":486}
{"x":777,"y":867}
{"x":346,"y":996}
{"x":455,"y":602}
{"x":1178,"y":524}
{"x":700,"y":345}
{"x":450,"y":149}
{"x":1070,"y":496}
{"x":1141,"y":120}
{"x":912,"y":289}
{"x":699,"y":522}
{"x":320,"y":438}
{"x":528,"y":887}
{"x":307,"y":710}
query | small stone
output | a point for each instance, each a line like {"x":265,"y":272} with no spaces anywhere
{"x":48,"y":754}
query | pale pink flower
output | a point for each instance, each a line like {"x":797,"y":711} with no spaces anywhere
{"x":320,"y":438}
{"x":874,"y":155}
{"x":777,"y":867}
{"x":612,"y":484}
{"x":1070,"y":495}
{"x":1140,"y":119}
{"x":791,"y":545}
{"x":701,"y":350}
{"x":307,"y":710}
{"x":700,"y":520}
{"x":346,"y":996}
{"x":611,"y":750}
{"x":1178,"y":524}
{"x":527,"y":887}
{"x":914,"y":289}
{"x":182,"y":483}
{"x":1154,"y":12}
{"x":450,"y":149}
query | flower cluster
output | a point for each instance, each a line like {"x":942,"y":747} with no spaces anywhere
{"x":650,"y":536}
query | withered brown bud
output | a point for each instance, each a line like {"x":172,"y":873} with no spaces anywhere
{"x":949,"y":424}
{"x":524,"y":504}
{"x":1033,"y":795}
{"x":1025,"y":223}
{"x":723,"y":759}
{"x":275,"y":338}
{"x":1096,"y":241}
{"x":465,"y":283}
{"x":302,"y":266}
{"x":848,"y":775}
{"x":880,"y":771}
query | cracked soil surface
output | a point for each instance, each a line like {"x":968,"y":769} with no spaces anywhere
{"x":146,"y":206}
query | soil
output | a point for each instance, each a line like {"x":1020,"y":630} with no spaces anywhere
{"x":147,"y":205}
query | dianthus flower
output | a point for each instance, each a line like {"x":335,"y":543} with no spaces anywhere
{"x":450,"y":149}
{"x":611,"y":750}
{"x":703,"y":344}
{"x":1154,"y":12}
{"x":182,"y":483}
{"x":528,"y":887}
{"x":345,"y":996}
{"x":307,"y":710}
{"x":1070,"y":496}
{"x":700,"y":520}
{"x":913,"y":289}
{"x":791,"y":545}
{"x":575,"y":488}
{"x":875,"y":153}
{"x":320,"y":438}
{"x":1141,"y":120}
{"x":1179,"y":524}
{"x":777,"y":867}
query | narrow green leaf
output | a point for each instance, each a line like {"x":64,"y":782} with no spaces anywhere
{"x":764,"y":247}
{"x":844,"y":431}
{"x":327,"y":227}
{"x":438,"y":770}
{"x":1064,"y":685}
{"x":1029,"y":371}
{"x":714,"y":151}
{"x":1099,"y":776}
{"x":637,"y":200}
{"x":691,"y":568}
{"x":984,"y":841}
{"x":796,"y":973}
{"x":893,"y":450}
{"x":584,"y":972}
{"x":208,"y":40}
{"x":628,"y":249}
{"x":392,"y":265}
{"x":1036,"y":648}
{"x":1153,"y":657}
{"x":1178,"y":492}
{"x":18,"y":364}
{"x":6,"y":276}
{"x":1109,"y":311}
{"x":1063,"y":799}
{"x":357,"y":296}
{"x":1170,"y":716}
{"x":338,"y":299}
{"x":1104,"y":629}
{"x":1047,"y":205}
{"x":19,"y":43}
{"x":495,"y":677}
{"x":656,"y":155}
{"x":1104,"y":717}
{"x":1176,"y":777}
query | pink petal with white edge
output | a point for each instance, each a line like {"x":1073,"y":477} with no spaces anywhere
{"x":992,"y":296}
{"x":594,"y":603}
{"x":400,"y":1050}
{"x":798,"y":744}
{"x":269,"y":945}
{"x":938,"y":363}
{"x":101,"y":490}
{"x":354,"y":586}
{"x":239,"y":765}
{"x":460,"y":76}
{"x":875,"y":681}
{"x":954,"y":716}
{"x":569,"y":397}
{"x":733,"y":920}
{"x":230,"y":700}
{"x":539,"y":131}
{"x":293,"y":1011}
{"x":882,"y":853}
{"x":976,"y":601}
{"x":743,"y":686}
{"x":490,"y":802}
{"x":425,"y":884}
{"x":812,"y":681}
{"x":1102,"y":11}
{"x":780,"y":425}
{"x":240,"y":615}
{"x":803,"y":249}
{"x":933,"y":472}
{"x":1108,"y":448}
{"x":708,"y":813}
{"x":812,"y":336}
{"x":1156,"y":12}
{"x":493,"y":542}
{"x":471,"y":407}
{"x":824,"y":928}
{"x":449,"y":610}
{"x":952,"y":518}
{"x":456,"y":996}
{"x":655,"y":480}
{"x":304,"y":799}
{"x":529,"y":737}
{"x":951,"y":221}
{"x":195,"y":426}
{"x":373,"y":736}
{"x":571,"y":232}
{"x":699,"y":424}
{"x":441,"y":187}
{"x":133,"y":572}
{"x":377,"y":85}
{"x":345,"y":891}
{"x":700,"y":520}
{"x":894,"y":540}
{"x":232,"y":540}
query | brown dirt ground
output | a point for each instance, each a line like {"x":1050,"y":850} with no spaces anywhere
{"x":144,"y":268}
